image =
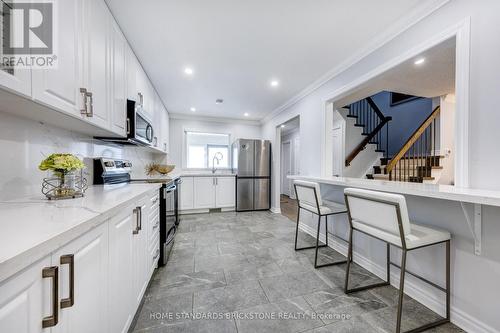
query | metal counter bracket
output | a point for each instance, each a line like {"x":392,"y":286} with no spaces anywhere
{"x":475,"y":225}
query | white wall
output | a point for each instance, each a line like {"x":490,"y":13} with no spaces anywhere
{"x":447,"y":139}
{"x":244,"y":130}
{"x":476,"y":295}
{"x":25,"y":143}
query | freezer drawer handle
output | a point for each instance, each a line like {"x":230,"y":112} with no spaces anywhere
{"x":69,"y":259}
{"x":53,"y":273}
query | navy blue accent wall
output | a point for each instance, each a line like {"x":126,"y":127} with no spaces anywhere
{"x":406,"y":118}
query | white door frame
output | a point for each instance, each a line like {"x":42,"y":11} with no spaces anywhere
{"x":283,"y":176}
{"x":341,"y":126}
{"x":460,"y":31}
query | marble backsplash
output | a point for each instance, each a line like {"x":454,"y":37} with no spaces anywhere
{"x":24,"y":143}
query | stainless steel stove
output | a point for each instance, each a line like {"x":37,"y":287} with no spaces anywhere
{"x":108,"y":171}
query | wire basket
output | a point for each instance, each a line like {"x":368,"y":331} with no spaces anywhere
{"x":67,"y":185}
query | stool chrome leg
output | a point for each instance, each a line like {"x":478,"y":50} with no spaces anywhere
{"x":349,"y":260}
{"x":297,"y":236}
{"x":401,"y":292}
{"x":326,"y":244}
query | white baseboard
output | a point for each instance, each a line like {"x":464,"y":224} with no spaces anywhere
{"x":275,"y":210}
{"x":412,"y":287}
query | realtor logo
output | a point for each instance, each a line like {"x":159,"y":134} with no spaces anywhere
{"x":28,"y":34}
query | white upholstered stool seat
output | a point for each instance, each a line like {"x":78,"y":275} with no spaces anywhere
{"x":327,"y":208}
{"x":418,"y":237}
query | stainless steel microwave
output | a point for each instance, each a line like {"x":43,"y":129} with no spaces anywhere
{"x":139,"y":128}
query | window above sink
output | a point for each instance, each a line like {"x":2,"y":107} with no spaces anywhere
{"x":202,"y":147}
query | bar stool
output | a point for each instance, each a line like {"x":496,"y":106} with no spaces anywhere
{"x":385,"y":216}
{"x":309,"y":198}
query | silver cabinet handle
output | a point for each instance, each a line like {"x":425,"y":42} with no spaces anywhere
{"x":156,"y":224}
{"x":84,"y":111}
{"x":90,"y":112}
{"x":155,"y":200}
{"x":141,"y":99}
{"x":138,"y":222}
{"x":165,"y":147}
{"x":155,"y":139}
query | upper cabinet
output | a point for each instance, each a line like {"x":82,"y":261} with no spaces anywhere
{"x":60,"y":87}
{"x":118,"y":80}
{"x":96,"y":65}
{"x":96,"y":73}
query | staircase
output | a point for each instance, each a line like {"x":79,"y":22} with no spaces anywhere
{"x":417,"y":161}
{"x":372,"y":121}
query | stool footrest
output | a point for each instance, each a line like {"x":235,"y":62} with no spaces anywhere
{"x":428,"y":326}
{"x":309,"y":247}
{"x":331,"y":264}
{"x":376,"y":285}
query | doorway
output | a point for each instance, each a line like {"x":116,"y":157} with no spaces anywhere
{"x":289,"y":165}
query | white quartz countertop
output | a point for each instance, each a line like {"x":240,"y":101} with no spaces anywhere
{"x":204,"y":174}
{"x":32,"y":228}
{"x":446,"y":192}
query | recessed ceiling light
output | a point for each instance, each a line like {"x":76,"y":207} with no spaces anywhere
{"x":419,"y":61}
{"x":246,"y":114}
{"x":188,"y":71}
{"x":275,"y":83}
{"x":193,"y":109}
{"x":219,"y":101}
{"x":283,"y":126}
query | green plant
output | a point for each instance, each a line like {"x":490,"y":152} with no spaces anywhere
{"x":61,"y":163}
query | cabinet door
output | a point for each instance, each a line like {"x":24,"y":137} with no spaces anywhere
{"x":187,"y":193}
{"x":121,"y":310}
{"x":25,"y":299}
{"x":132,"y":68}
{"x":225,"y":192}
{"x":96,"y":66}
{"x":18,"y":80}
{"x":119,"y":86}
{"x":140,"y":254}
{"x":204,"y":192}
{"x":60,"y":87}
{"x":88,"y":311}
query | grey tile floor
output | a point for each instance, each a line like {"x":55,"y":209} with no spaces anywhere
{"x":238,"y":272}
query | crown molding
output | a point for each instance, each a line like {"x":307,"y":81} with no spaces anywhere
{"x":396,"y":29}
{"x":182,"y":116}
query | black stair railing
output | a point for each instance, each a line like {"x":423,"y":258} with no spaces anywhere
{"x":372,"y":120}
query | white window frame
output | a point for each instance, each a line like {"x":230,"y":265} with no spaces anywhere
{"x":185,"y":150}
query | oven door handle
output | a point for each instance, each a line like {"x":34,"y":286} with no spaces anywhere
{"x":168,"y":190}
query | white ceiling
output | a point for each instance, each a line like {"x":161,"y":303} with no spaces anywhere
{"x":435,"y":77}
{"x":237,"y":46}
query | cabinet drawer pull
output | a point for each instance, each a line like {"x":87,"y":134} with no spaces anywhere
{"x":155,"y":201}
{"x":156,"y":255}
{"x":140,"y":218}
{"x":69,"y":259}
{"x":53,"y":273}
{"x":136,"y":229}
{"x":156,"y":224}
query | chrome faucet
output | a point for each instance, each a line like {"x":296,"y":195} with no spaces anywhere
{"x":217,"y":157}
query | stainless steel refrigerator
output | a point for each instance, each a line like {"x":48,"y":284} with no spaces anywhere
{"x":251,"y":161}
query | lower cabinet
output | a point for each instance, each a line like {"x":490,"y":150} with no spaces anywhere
{"x":201,"y":192}
{"x":83,"y":283}
{"x":120,"y":299}
{"x":25,"y":299}
{"x":93,"y":284}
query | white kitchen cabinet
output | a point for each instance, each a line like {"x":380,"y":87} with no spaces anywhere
{"x":118,"y":82}
{"x":187,"y":193}
{"x":204,"y":192}
{"x":140,"y":253}
{"x":96,"y":69}
{"x":60,"y":87}
{"x":132,"y":68}
{"x":25,"y":299}
{"x":121,"y":309}
{"x":225,"y":189}
{"x":214,"y":192}
{"x":17,"y":80}
{"x":85,"y":310}
{"x":165,"y":125}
